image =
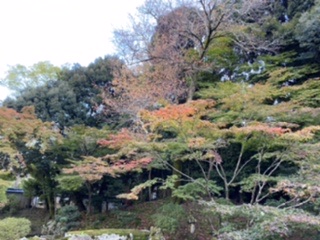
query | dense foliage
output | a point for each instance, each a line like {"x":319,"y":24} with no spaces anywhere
{"x":207,"y":101}
{"x":14,"y":228}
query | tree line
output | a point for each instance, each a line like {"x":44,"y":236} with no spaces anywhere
{"x":204,"y":100}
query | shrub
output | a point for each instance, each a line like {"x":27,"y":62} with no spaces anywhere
{"x":127,"y":218}
{"x":14,"y":228}
{"x":68,"y":217}
{"x":169,"y":217}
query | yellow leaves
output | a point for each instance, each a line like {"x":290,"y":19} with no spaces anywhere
{"x":279,"y":75}
{"x":133,"y":195}
{"x":197,"y":142}
{"x":302,"y":135}
{"x":128,"y":196}
{"x":296,"y":189}
{"x":261,"y":127}
{"x":248,"y":96}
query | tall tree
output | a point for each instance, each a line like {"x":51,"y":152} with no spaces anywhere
{"x":178,"y":37}
{"x":28,"y":142}
{"x":74,"y":98}
{"x":20,"y":77}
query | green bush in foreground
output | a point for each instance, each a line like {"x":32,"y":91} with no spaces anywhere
{"x":14,"y":228}
{"x":69,"y":217}
{"x":169,"y":217}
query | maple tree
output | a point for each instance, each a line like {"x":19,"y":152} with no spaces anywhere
{"x":93,"y":169}
{"x":176,"y":134}
{"x":28,"y":142}
{"x":26,"y":128}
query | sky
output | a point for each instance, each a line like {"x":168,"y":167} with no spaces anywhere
{"x":59,"y":31}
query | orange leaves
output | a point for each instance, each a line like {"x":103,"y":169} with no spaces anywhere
{"x":171,"y":112}
{"x":123,"y":166}
{"x":183,"y":117}
{"x":304,"y":134}
{"x":116,"y":141}
{"x":283,"y":130}
{"x":142,"y":87}
{"x":91,"y":169}
{"x":179,"y":112}
{"x":25,"y":127}
{"x":263,"y":128}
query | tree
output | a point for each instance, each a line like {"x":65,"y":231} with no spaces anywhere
{"x":244,"y":154}
{"x":93,"y":169}
{"x":306,"y":31}
{"x":178,"y":38}
{"x":80,"y":141}
{"x":90,"y":170}
{"x":20,"y":77}
{"x":55,"y":101}
{"x":73,"y":98}
{"x":28,"y":142}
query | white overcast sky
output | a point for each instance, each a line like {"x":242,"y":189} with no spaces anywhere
{"x":59,"y":31}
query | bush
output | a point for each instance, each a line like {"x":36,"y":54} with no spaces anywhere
{"x":69,"y":218}
{"x":169,"y":217}
{"x":127,"y":218}
{"x":3,"y":188}
{"x":14,"y":228}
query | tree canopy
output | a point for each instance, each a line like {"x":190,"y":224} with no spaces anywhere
{"x":214,"y":102}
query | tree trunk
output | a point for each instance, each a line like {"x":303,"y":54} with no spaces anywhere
{"x":50,"y":205}
{"x":89,"y":198}
{"x":149,"y":188}
{"x":177,"y":165}
{"x":227,"y":193}
{"x":191,"y":89}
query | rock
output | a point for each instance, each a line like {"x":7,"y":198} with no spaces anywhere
{"x":52,"y":228}
{"x":111,"y":237}
{"x":80,"y":237}
{"x":156,"y":234}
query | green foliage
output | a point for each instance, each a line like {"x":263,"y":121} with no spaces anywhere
{"x":69,"y":218}
{"x":307,"y":94}
{"x":70,"y":183}
{"x":248,"y":184}
{"x":81,"y":140}
{"x":307,"y":31}
{"x":219,"y":90}
{"x":137,"y":234}
{"x":3,"y":188}
{"x":20,"y":77}
{"x":260,"y":222}
{"x":14,"y":228}
{"x":298,"y":74}
{"x":72,"y":97}
{"x":196,"y":189}
{"x":31,"y":187}
{"x":13,"y":205}
{"x":127,"y":218}
{"x":55,"y":101}
{"x":221,"y":53}
{"x":169,"y":217}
